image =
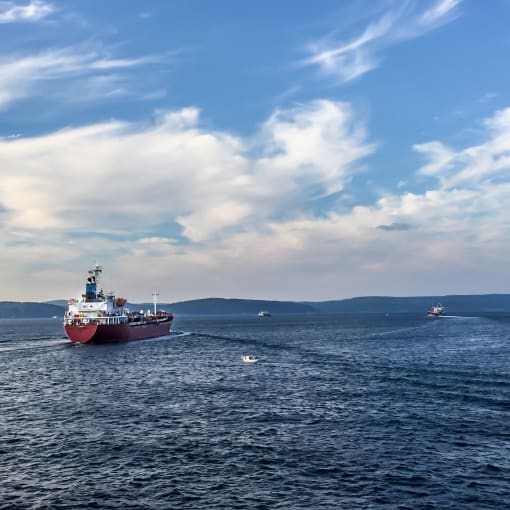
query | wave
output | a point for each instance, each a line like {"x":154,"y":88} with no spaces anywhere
{"x":34,"y":345}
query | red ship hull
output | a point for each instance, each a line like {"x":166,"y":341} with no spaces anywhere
{"x":106,"y":333}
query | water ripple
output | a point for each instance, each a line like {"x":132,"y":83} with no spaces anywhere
{"x":357,"y":412}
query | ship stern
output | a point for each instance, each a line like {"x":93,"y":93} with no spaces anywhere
{"x":80,"y":333}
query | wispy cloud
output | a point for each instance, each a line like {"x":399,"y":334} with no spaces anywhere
{"x":36,"y":10}
{"x":286,"y":94}
{"x":24,"y":76}
{"x":154,"y":95}
{"x":351,"y":59}
{"x":488,"y":96}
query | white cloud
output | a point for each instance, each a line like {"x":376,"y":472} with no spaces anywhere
{"x":120,"y":178}
{"x":138,"y":176}
{"x":33,"y":11}
{"x":349,"y":60}
{"x":472,"y":166}
{"x":245,"y":211}
{"x":319,"y":140}
{"x":438,"y":14}
{"x":35,"y":75}
{"x":434,"y":240}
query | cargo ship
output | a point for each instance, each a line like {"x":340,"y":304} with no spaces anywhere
{"x":98,"y":317}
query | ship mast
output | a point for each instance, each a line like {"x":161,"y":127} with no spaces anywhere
{"x":96,"y":271}
{"x":155,"y":296}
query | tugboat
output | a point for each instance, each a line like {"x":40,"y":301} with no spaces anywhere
{"x":100,"y":317}
{"x":436,"y":311}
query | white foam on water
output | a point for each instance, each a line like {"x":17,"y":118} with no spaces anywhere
{"x":457,"y":317}
{"x":21,"y":345}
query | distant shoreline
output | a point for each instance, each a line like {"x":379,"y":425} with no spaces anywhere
{"x":475,"y":303}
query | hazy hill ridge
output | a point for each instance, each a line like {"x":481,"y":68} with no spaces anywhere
{"x":222,"y":306}
{"x":18,"y":310}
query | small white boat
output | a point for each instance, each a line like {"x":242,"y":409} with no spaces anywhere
{"x":437,"y":311}
{"x":264,"y":313}
{"x":250,"y":358}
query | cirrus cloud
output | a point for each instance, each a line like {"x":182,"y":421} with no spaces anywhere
{"x":349,"y":60}
{"x":91,"y":72}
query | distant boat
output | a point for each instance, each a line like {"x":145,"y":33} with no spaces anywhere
{"x":264,"y":313}
{"x":250,"y":358}
{"x":437,"y":311}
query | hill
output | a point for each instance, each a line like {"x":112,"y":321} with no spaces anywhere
{"x":485,"y":303}
{"x":17,"y":310}
{"x":221,"y":306}
{"x":417,"y":304}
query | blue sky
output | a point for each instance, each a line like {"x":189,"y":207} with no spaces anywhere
{"x":279,"y":150}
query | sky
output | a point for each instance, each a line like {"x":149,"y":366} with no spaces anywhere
{"x":288,"y":150}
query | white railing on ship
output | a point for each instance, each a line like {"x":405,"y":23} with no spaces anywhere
{"x":108,"y":320}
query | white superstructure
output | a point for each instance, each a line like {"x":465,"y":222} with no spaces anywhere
{"x":96,"y":307}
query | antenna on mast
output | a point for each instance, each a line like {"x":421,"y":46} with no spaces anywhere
{"x":155,"y":296}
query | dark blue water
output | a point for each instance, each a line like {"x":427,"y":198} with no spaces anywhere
{"x":341,"y":412}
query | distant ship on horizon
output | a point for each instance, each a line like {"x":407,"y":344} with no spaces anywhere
{"x":437,"y":311}
{"x":264,"y":313}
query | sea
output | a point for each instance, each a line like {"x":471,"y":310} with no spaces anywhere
{"x":368,"y":411}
